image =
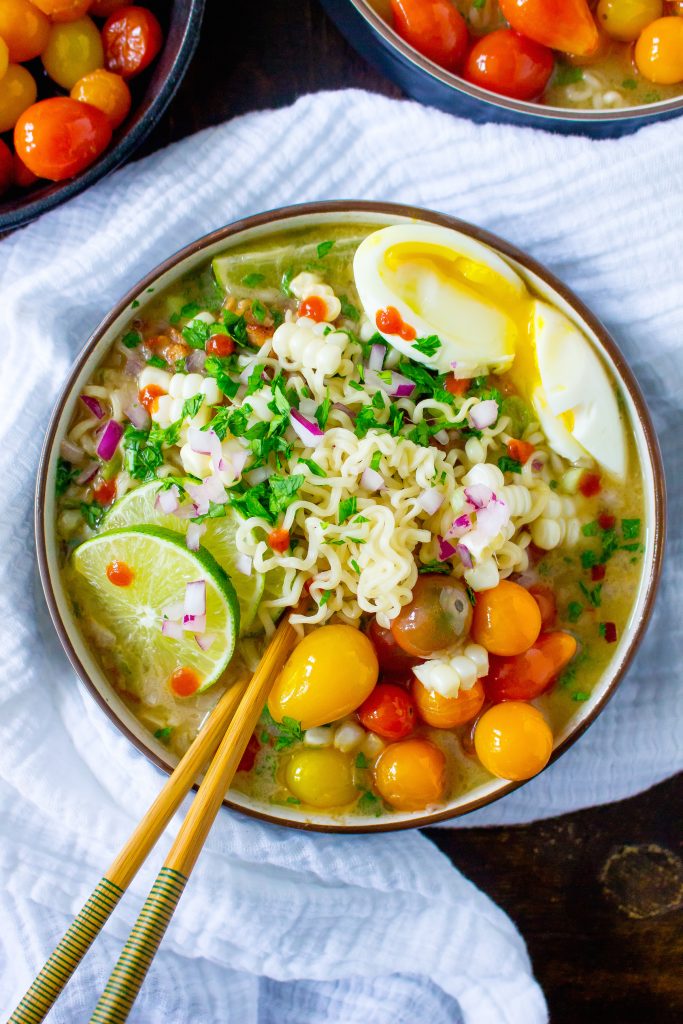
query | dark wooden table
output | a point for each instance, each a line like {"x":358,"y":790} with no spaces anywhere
{"x":595,"y":893}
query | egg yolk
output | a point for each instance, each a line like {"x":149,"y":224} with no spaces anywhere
{"x":327,"y":676}
{"x":513,"y":740}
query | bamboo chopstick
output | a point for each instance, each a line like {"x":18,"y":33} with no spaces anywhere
{"x":129,"y":972}
{"x":80,"y":935}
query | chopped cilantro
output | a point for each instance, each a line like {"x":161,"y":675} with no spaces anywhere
{"x":251,"y":280}
{"x":629,"y":83}
{"x":324,"y":598}
{"x":567,"y":75}
{"x":142,"y":453}
{"x":355,"y":566}
{"x":630,"y":528}
{"x":479,"y":4}
{"x":92,"y":513}
{"x":435,"y":567}
{"x":315,"y":469}
{"x":323,"y":411}
{"x":589,"y":559}
{"x":593,"y":596}
{"x":375,"y":460}
{"x":347,"y":508}
{"x":189,"y":310}
{"x":64,"y":475}
{"x":286,"y":280}
{"x":288,"y":731}
{"x":506,"y":464}
{"x":369,"y":804}
{"x":131,"y":339}
{"x":191,"y":407}
{"x":348,"y":310}
{"x":378,"y":400}
{"x":180,"y":365}
{"x":427,"y":346}
{"x":323,"y":249}
{"x":335,"y":541}
{"x":219,"y":367}
{"x":163,"y":734}
{"x":471,"y":595}
{"x":236,"y":327}
{"x":196,"y":334}
{"x":356,"y":385}
{"x":283,"y":491}
{"x":580,"y":695}
{"x":157,"y":361}
{"x":134,"y":304}
{"x":574,"y":610}
{"x":590,"y":529}
{"x":259,"y":311}
{"x":362,"y":761}
{"x":293,"y":800}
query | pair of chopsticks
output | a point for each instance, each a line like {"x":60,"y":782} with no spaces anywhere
{"x":234,"y":719}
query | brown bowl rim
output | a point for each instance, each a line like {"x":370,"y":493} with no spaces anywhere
{"x":275,"y":217}
{"x":649,"y":111}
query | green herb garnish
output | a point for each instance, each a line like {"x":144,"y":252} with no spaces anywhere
{"x":64,"y":475}
{"x":323,"y":249}
{"x":131,"y":339}
{"x":347,"y":508}
{"x":251,"y":280}
{"x":427,"y":346}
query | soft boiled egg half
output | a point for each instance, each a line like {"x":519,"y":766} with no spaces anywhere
{"x":447,"y":301}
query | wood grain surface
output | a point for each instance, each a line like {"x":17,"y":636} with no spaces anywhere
{"x":597,"y":894}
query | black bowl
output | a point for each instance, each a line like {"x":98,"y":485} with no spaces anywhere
{"x":181,"y":23}
{"x":427,"y":82}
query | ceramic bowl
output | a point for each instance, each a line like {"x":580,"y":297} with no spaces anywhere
{"x":375,"y":39}
{"x":181,"y":22}
{"x":250,"y":230}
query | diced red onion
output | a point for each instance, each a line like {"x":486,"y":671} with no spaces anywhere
{"x":459,"y":526}
{"x":174,"y":611}
{"x":454,"y":364}
{"x":309,"y":433}
{"x":398,"y":387}
{"x":371,"y":480}
{"x":478,"y":495}
{"x":193,"y":535}
{"x":204,"y":442}
{"x":167,"y":501}
{"x":194,"y":360}
{"x":441,"y":436}
{"x":537,"y":465}
{"x":199,"y":498}
{"x":340,"y":407}
{"x":239,"y":461}
{"x":446,"y":550}
{"x":188,"y":510}
{"x":257,"y":476}
{"x":134,"y":364}
{"x":483,"y":414}
{"x":214,"y":490}
{"x":431,"y":500}
{"x":138,"y":416}
{"x":194,"y":623}
{"x":195,"y":598}
{"x":377,"y":354}
{"x":465,"y":556}
{"x":172,"y":629}
{"x":88,"y":473}
{"x":243,"y":564}
{"x":205,"y":641}
{"x":493,"y":518}
{"x":94,"y":406}
{"x":112,"y":434}
{"x":70,"y":451}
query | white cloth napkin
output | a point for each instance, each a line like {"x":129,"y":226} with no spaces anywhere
{"x":277,"y":925}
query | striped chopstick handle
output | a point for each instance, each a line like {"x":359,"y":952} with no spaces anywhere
{"x":129,"y":973}
{"x":76,"y":942}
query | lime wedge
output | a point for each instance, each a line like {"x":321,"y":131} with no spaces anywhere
{"x":158,"y":566}
{"x":138,"y":507}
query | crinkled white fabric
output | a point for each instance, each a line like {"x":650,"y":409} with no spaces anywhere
{"x":276,"y":925}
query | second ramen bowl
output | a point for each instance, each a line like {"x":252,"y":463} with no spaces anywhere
{"x":318,"y":215}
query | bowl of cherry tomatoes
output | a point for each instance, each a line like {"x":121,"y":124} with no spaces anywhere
{"x":598,"y":67}
{"x":82,"y":83}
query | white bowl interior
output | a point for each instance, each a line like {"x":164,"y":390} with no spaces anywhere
{"x":123,"y":715}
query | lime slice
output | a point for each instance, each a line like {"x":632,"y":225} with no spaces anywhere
{"x":138,"y":506}
{"x":160,"y":566}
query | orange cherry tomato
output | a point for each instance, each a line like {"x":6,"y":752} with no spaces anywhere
{"x":513,"y":740}
{"x":437,"y":616}
{"x":411,"y":774}
{"x":24,"y":28}
{"x":590,"y":484}
{"x":17,"y":92}
{"x":132,"y":38}
{"x":566,"y":25}
{"x":547,"y":606}
{"x":106,"y":91}
{"x":506,"y":619}
{"x":314,"y":307}
{"x":510,"y":64}
{"x":457,"y":386}
{"x":528,"y":675}
{"x":520,"y":450}
{"x":278,"y":539}
{"x":120,"y":573}
{"x":389,"y":711}
{"x":4,"y":56}
{"x":392,"y":659}
{"x":184,"y":682}
{"x":659,"y":51}
{"x":105,"y":492}
{"x":63,"y":10}
{"x":220,"y":345}
{"x":447,"y":712}
{"x":60,"y":137}
{"x":22,"y":176}
{"x":434,"y":27}
{"x":149,"y":397}
{"x":6,"y":167}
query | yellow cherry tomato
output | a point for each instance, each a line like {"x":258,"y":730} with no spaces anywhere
{"x":73,"y":49}
{"x":106,"y":91}
{"x":506,"y":619}
{"x":17,"y":93}
{"x":4,"y":57}
{"x":447,"y":712}
{"x":63,"y":10}
{"x":659,"y":51}
{"x":327,"y":676}
{"x":513,"y":740}
{"x":321,"y":777}
{"x":24,"y":28}
{"x":411,"y":774}
{"x":626,"y":19}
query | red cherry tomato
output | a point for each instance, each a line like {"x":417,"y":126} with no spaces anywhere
{"x":22,"y":176}
{"x":6,"y":167}
{"x":434,"y":27}
{"x":520,"y":450}
{"x":60,"y":137}
{"x":526,"y":676}
{"x":590,"y":484}
{"x":389,"y":711}
{"x":438,"y":615}
{"x":457,"y":386}
{"x":509,"y":64}
{"x":132,"y":38}
{"x":278,"y":539}
{"x":560,"y":24}
{"x":105,"y":492}
{"x":392,"y":659}
{"x":249,"y":755}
